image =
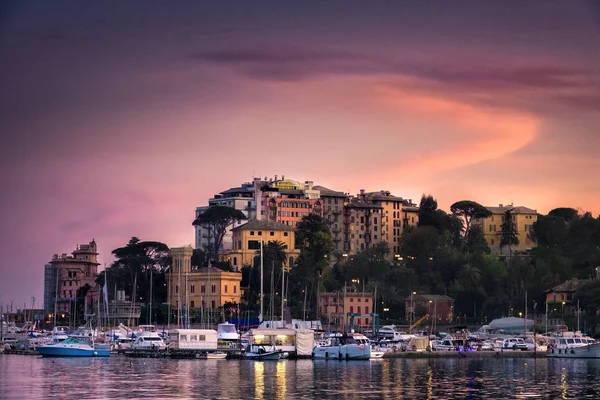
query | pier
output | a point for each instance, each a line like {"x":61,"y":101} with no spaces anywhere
{"x":466,"y":354}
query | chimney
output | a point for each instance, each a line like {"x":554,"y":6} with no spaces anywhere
{"x":275,"y":178}
{"x":362,"y":192}
{"x":283,"y":177}
{"x":501,"y":205}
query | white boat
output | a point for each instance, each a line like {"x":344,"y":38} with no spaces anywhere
{"x":59,"y":333}
{"x":261,"y":353}
{"x":391,"y":333}
{"x":574,"y":345}
{"x":344,"y":347}
{"x":227,"y":331}
{"x":216,"y":356}
{"x":148,"y":339}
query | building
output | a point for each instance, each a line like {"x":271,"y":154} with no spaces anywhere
{"x":333,"y":212}
{"x":396,"y":214}
{"x":279,"y":200}
{"x":64,"y":275}
{"x":335,"y":306}
{"x":194,"y":288}
{"x":436,"y":306}
{"x":247,"y":238}
{"x":560,"y":297}
{"x":362,"y":225}
{"x":523,"y":219}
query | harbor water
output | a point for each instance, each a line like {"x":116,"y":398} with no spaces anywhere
{"x":118,"y":377}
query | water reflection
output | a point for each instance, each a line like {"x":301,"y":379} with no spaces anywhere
{"x":119,"y":377}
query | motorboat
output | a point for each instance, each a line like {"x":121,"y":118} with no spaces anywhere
{"x":59,"y":333}
{"x":218,"y":355}
{"x":574,"y":345}
{"x":344,"y":347}
{"x":390,"y":333}
{"x":261,"y":353}
{"x":148,"y":339}
{"x":75,"y":346}
{"x":227,"y":331}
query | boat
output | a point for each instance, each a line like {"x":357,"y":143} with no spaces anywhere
{"x":574,"y":345}
{"x":148,"y":339}
{"x":227,"y":331}
{"x":344,"y":347}
{"x":75,"y":346}
{"x":260,"y":353}
{"x":218,"y":355}
{"x":59,"y":333}
{"x":391,"y":333}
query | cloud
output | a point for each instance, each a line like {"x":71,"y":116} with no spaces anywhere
{"x":488,"y":81}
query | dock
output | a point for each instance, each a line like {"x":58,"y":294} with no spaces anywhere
{"x":232,"y":354}
{"x":466,"y":354}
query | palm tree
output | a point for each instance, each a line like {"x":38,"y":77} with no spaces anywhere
{"x":469,"y":276}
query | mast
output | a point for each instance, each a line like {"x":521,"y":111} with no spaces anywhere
{"x":150,"y":311}
{"x":304,"y":306}
{"x":260,"y":319}
{"x":271,"y":297}
{"x":282,"y":293}
{"x":179,"y":296}
{"x":55,"y":295}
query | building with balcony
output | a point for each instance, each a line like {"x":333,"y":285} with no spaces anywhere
{"x":560,"y":297}
{"x":333,"y":212}
{"x":362,"y":225}
{"x":523,"y":219}
{"x":247,"y":239}
{"x":65,"y":274}
{"x":396,"y":214}
{"x":195,"y":288}
{"x":335,"y":306}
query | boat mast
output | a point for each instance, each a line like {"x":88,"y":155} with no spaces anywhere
{"x":56,"y":295}
{"x":260,"y":319}
{"x":282,"y":292}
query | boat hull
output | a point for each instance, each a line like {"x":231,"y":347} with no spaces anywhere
{"x":272,"y":356}
{"x":346,"y":352}
{"x":51,"y":351}
{"x":590,"y":351}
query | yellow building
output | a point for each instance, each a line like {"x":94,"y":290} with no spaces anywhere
{"x":396,"y":214}
{"x":523,"y":218}
{"x":247,"y":238}
{"x":192,"y":286}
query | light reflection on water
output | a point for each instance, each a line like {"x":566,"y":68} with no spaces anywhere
{"x":23,"y":377}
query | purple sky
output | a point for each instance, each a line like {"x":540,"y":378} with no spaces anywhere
{"x":118,"y":119}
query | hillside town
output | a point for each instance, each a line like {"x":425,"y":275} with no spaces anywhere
{"x":332,"y":257}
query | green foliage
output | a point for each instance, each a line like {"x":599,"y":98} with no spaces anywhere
{"x":508,"y":233}
{"x":217,"y":219}
{"x":475,"y":241}
{"x":565,"y":213}
{"x":468,"y":210}
{"x":200,"y":258}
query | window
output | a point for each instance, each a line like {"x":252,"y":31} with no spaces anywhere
{"x":213,"y":304}
{"x":351,"y":299}
{"x":239,"y":246}
{"x":192,"y":304}
{"x":259,"y":233}
{"x":366,"y":300}
{"x":351,"y":309}
{"x":253,"y":244}
{"x":492,"y":242}
{"x":176,"y":289}
{"x":213,"y":288}
{"x":234,"y":260}
{"x":251,"y":233}
{"x":359,"y":300}
{"x":358,"y":322}
{"x":192,"y":288}
{"x":64,"y":283}
{"x":285,"y":233}
{"x":234,"y":289}
{"x":366,"y":321}
{"x":358,"y":309}
{"x":366,"y":310}
{"x":271,"y":233}
{"x":225,"y":288}
{"x":203,"y":289}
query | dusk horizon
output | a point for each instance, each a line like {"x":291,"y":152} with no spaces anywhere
{"x":119,"y":121}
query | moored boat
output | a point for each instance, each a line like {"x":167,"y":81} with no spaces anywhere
{"x":75,"y":346}
{"x":260,"y":353}
{"x":344,"y":347}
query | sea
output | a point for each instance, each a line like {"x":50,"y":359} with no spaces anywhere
{"x":120,"y":377}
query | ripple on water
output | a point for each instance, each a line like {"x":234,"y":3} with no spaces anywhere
{"x":23,"y":377}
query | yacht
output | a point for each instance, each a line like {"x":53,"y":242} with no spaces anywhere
{"x":148,"y":339}
{"x":75,"y":346}
{"x":227,"y":331}
{"x":349,"y":346}
{"x":59,"y":333}
{"x":574,"y":345}
{"x":390,"y":333}
{"x":262,"y":353}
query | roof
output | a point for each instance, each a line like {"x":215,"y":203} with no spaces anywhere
{"x":236,"y":190}
{"x":258,"y":225}
{"x":326,"y":192}
{"x":410,"y":208}
{"x":381,"y":195}
{"x":359,"y":203}
{"x":515,"y":209}
{"x":568,"y":286}
{"x":429,"y":297}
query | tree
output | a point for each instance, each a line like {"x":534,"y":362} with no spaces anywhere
{"x":567,"y":214}
{"x":475,"y":241}
{"x":216,"y":219}
{"x":427,"y":212}
{"x":200,"y":258}
{"x":468,"y":210}
{"x":508,"y":233}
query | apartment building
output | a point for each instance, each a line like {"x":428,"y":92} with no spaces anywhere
{"x":333,"y":212}
{"x":362,"y":225}
{"x":335,"y":306}
{"x":523,"y":219}
{"x":65,"y":274}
